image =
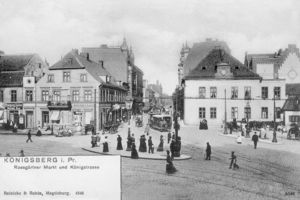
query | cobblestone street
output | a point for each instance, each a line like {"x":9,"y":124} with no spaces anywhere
{"x":269,"y":172}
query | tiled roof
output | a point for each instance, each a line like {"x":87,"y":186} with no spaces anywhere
{"x":14,"y":62}
{"x":114,"y":60}
{"x":206,"y":69}
{"x":291,"y":104}
{"x":292,"y":89}
{"x":11,"y":79}
{"x":199,"y":51}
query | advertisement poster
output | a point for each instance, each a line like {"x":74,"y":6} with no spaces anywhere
{"x":149,"y":99}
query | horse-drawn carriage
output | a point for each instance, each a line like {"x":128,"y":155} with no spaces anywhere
{"x":111,"y":128}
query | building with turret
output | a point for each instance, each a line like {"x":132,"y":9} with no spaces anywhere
{"x":119,"y":61}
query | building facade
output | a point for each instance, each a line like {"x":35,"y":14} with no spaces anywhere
{"x":14,"y":92}
{"x":119,"y":62}
{"x":222,"y":89}
{"x":76,"y":92}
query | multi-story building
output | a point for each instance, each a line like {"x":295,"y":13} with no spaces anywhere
{"x":78,"y":91}
{"x":222,"y":89}
{"x":13,"y":90}
{"x":119,"y":62}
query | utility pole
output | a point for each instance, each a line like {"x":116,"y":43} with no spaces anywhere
{"x":225,"y":117}
{"x":274,"y":118}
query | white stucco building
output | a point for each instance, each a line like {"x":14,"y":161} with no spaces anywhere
{"x":248,"y":95}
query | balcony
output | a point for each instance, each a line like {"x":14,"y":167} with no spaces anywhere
{"x":59,"y":105}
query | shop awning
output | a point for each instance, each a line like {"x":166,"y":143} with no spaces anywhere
{"x":1,"y":114}
{"x":55,"y":116}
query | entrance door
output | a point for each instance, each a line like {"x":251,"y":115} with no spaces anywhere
{"x":29,"y":119}
{"x":45,"y":118}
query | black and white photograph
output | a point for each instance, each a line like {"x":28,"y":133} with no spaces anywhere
{"x":150,"y":99}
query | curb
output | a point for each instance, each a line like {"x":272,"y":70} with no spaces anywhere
{"x":187,"y":157}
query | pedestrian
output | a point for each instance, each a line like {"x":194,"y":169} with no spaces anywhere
{"x":39,"y":132}
{"x":119,"y":145}
{"x":172,"y":148}
{"x":208,"y":151}
{"x":233,"y":160}
{"x":105,"y":145}
{"x":134,"y":153}
{"x":15,"y":128}
{"x":169,"y":137}
{"x":7,"y":155}
{"x":169,"y":166}
{"x":93,"y":140}
{"x":22,"y":153}
{"x":255,"y":140}
{"x":173,"y":136}
{"x":161,"y":144}
{"x":150,"y":145}
{"x":29,"y":136}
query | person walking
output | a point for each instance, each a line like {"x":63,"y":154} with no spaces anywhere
{"x":119,"y":145}
{"x":21,"y":154}
{"x":255,"y":140}
{"x":172,"y":148}
{"x":150,"y":145}
{"x":134,"y":153}
{"x":233,"y":159}
{"x":208,"y":151}
{"x":29,"y":136}
{"x":161,"y":144}
{"x":105,"y":145}
{"x":170,"y":167}
{"x":169,"y":137}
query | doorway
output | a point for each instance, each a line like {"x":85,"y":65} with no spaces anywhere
{"x":29,"y":119}
{"x":45,"y":118}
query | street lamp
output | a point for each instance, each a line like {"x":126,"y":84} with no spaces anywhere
{"x":128,"y":103}
{"x":225,"y":117}
{"x":274,"y":118}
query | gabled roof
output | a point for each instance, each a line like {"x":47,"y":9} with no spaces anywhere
{"x":199,"y":51}
{"x":11,"y":79}
{"x":207,"y":69}
{"x":14,"y":62}
{"x":291,"y":104}
{"x":271,"y":58}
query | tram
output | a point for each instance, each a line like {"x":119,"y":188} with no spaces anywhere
{"x":161,"y":122}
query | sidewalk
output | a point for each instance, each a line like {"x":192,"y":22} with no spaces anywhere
{"x":137,"y":131}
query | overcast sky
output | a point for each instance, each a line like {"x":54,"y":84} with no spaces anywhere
{"x":155,"y":29}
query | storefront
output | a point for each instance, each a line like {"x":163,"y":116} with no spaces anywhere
{"x":13,"y":111}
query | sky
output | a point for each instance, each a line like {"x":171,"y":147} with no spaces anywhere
{"x":156,"y":29}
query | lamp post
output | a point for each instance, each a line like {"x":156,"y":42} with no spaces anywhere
{"x":128,"y":102}
{"x":225,"y":117}
{"x":274,"y":118}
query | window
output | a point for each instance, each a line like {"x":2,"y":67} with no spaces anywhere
{"x":29,"y":95}
{"x":45,"y":95}
{"x":1,"y":96}
{"x":247,"y":92}
{"x":294,"y":118}
{"x":213,"y":113}
{"x":66,"y":77}
{"x":87,"y":95}
{"x":247,"y":112}
{"x":13,"y":95}
{"x":234,"y":112}
{"x":202,"y":92}
{"x":51,"y":78}
{"x":278,"y":112}
{"x":83,"y":78}
{"x":264,"y":113}
{"x":75,"y":95}
{"x":234,"y":92}
{"x":264,"y":92}
{"x":213,"y":92}
{"x":56,"y":95}
{"x":201,"y":113}
{"x":277,"y":92}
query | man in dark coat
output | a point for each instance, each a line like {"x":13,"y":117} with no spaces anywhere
{"x":169,"y":137}
{"x":150,"y":145}
{"x":208,"y":151}
{"x":255,"y":140}
{"x":233,"y":159}
{"x":29,"y":136}
{"x":172,"y":147}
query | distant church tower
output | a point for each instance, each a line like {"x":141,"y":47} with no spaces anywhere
{"x":183,"y":55}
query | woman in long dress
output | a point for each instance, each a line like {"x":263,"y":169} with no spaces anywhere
{"x":161,"y":144}
{"x":105,"y":145}
{"x":119,"y":145}
{"x":134,"y":153}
